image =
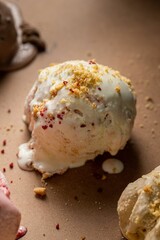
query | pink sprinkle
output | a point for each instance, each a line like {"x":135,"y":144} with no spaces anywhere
{"x":11,"y":165}
{"x":4,"y":142}
{"x":60,"y":116}
{"x":21,"y":232}
{"x":57,"y":226}
{"x":45,"y":127}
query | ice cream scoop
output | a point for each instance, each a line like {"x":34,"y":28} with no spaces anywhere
{"x":19,"y":43}
{"x":139,"y":208}
{"x":76,"y":110}
{"x":9,"y":215}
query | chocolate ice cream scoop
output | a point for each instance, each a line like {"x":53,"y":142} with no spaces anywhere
{"x":8,"y":39}
{"x":19,"y":42}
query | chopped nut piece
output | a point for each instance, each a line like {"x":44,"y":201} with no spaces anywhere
{"x":40,"y":191}
{"x":147,"y":189}
{"x":118,"y":90}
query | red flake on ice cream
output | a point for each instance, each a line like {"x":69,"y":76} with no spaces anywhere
{"x":92,"y":61}
{"x":60,"y":116}
{"x":44,"y":127}
{"x":65,"y":82}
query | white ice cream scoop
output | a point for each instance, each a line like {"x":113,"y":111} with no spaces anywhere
{"x":139,"y":208}
{"x":76,"y":110}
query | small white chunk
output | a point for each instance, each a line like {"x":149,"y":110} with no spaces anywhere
{"x":112,"y":166}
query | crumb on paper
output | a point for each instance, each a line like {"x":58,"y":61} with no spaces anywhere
{"x":4,"y":142}
{"x":149,"y":99}
{"x":89,"y":54}
{"x":2,"y":151}
{"x":40,"y":191}
{"x":150,"y":103}
{"x":103,"y":177}
{"x":152,"y":131}
{"x":57,"y":226}
{"x":155,"y":122}
{"x":11,"y":165}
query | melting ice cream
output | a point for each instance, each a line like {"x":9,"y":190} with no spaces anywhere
{"x":75,"y":111}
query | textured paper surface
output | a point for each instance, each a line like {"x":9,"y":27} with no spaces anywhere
{"x":121,"y":34}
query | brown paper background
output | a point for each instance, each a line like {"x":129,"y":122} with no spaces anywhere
{"x":123,"y":34}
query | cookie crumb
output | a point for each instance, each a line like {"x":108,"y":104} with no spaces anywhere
{"x":40,"y":191}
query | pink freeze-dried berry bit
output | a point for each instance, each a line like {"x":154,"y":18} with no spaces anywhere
{"x":2,"y":151}
{"x":4,"y":142}
{"x":57,"y":226}
{"x":44,"y":127}
{"x":11,"y":165}
{"x":21,"y":232}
